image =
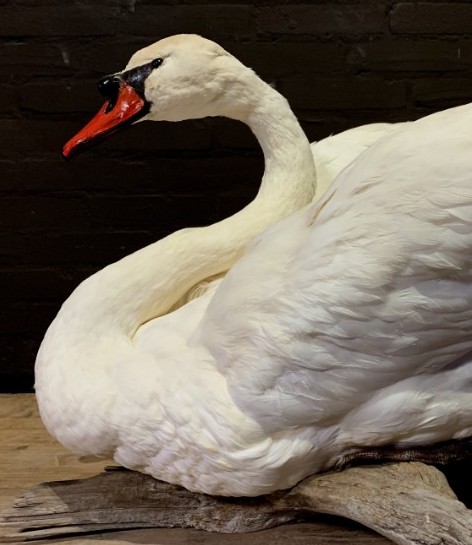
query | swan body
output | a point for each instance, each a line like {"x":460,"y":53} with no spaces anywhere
{"x":336,"y":152}
{"x":345,"y":323}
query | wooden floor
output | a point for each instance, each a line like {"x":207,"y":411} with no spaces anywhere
{"x":29,"y":456}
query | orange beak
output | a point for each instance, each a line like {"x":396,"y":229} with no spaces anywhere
{"x":112,"y":116}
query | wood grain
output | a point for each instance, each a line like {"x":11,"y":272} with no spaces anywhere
{"x":410,"y":503}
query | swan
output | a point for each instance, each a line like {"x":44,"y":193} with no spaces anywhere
{"x":344,"y":324}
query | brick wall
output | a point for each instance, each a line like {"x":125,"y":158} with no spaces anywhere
{"x":340,"y":63}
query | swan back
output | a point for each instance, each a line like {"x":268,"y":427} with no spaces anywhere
{"x":334,"y":153}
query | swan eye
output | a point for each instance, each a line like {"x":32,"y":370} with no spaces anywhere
{"x":156,"y":63}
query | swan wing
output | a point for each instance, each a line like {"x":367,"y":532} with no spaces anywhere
{"x":336,"y":152}
{"x":367,"y":288}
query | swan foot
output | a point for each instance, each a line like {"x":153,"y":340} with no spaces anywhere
{"x":439,"y":454}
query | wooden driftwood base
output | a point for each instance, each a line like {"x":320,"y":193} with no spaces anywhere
{"x":409,"y":503}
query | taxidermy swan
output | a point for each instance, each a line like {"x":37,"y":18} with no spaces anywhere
{"x":345,"y":324}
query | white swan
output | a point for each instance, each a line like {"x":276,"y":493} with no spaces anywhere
{"x":346,"y":324}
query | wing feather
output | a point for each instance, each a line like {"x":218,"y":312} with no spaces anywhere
{"x":368,"y":287}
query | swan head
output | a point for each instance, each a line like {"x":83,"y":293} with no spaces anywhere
{"x":180,"y":77}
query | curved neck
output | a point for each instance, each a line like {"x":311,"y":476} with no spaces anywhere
{"x":146,"y":284}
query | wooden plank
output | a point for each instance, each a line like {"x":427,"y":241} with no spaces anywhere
{"x":409,"y":503}
{"x":18,"y":406}
{"x":319,"y":533}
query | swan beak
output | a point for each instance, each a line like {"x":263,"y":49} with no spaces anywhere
{"x":122,"y":109}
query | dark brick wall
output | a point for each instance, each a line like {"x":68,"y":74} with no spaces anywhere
{"x":340,"y":63}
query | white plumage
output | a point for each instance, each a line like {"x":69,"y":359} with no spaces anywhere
{"x":345,"y":324}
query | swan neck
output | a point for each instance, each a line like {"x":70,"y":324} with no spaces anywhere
{"x":289,"y":164}
{"x":146,"y":284}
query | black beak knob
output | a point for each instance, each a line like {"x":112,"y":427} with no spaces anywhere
{"x":109,"y":86}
